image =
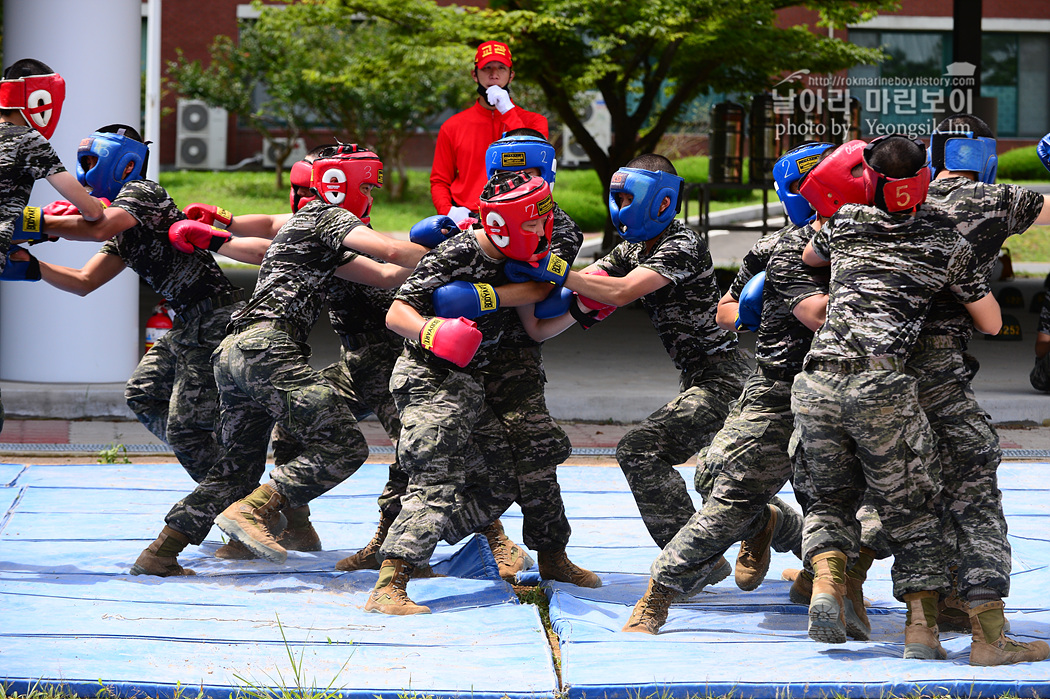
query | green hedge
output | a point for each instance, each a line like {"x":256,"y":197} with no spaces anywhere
{"x":1022,"y":164}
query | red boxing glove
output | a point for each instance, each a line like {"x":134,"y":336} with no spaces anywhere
{"x":454,"y":339}
{"x":211,"y":215}
{"x":604,"y":309}
{"x":188,"y":236}
{"x":61,"y":208}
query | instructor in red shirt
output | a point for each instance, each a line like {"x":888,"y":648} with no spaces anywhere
{"x":458,"y":174}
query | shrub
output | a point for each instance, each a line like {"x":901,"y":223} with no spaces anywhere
{"x":1021,"y":164}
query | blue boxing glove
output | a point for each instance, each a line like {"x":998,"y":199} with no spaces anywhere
{"x":29,"y":225}
{"x":432,"y":231}
{"x":463,"y":299}
{"x":551,"y":269}
{"x":21,"y":271}
{"x":1043,"y":151}
{"x":749,"y":311}
{"x":555,"y":305}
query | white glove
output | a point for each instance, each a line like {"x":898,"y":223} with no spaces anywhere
{"x":499,"y":98}
{"x":458,"y":213}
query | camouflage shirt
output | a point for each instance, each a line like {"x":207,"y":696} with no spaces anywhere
{"x":25,"y":157}
{"x":683,"y":312}
{"x":182,"y":279}
{"x":357,"y":308}
{"x":986,"y":215}
{"x":458,"y":258}
{"x":1044,"y":316}
{"x":297,"y":268}
{"x":885,"y":270}
{"x":566,"y":240}
{"x":782,"y":341}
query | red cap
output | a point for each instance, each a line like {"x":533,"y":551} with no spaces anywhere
{"x":493,"y":51}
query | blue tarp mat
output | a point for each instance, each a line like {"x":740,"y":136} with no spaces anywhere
{"x":724,"y":641}
{"x":72,"y":616}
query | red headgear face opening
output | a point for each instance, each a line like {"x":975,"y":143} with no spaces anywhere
{"x":832,"y":183}
{"x":895,"y":195}
{"x":337,"y":179}
{"x":38,"y":97}
{"x":299,"y":177}
{"x":510,"y":200}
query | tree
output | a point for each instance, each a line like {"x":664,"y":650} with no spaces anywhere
{"x":233,"y":77}
{"x":648,"y":59}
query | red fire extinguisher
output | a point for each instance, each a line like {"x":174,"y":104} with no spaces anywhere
{"x":158,"y":324}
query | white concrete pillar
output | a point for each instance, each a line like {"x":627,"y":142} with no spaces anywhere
{"x":47,"y":335}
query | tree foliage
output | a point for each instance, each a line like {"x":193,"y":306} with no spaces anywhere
{"x":648,"y":59}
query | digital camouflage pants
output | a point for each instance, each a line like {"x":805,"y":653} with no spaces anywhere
{"x":449,"y":492}
{"x":648,"y":454}
{"x":172,"y":390}
{"x":975,"y":525}
{"x":866,"y":431}
{"x":263,"y":378}
{"x":744,"y":468}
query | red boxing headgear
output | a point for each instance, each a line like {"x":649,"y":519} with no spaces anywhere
{"x":300,"y":177}
{"x":831,"y":183}
{"x":894,"y":195}
{"x":509,"y":200}
{"x":337,"y":175}
{"x":492,"y":51}
{"x":38,"y":97}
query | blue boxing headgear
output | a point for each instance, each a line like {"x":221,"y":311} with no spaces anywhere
{"x":962,"y":151}
{"x":115,"y":151}
{"x":521,"y":153}
{"x":790,"y":168}
{"x":641,"y":220}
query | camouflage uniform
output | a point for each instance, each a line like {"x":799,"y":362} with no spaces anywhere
{"x":987,"y":214}
{"x":362,"y":374}
{"x":25,"y":157}
{"x":172,"y":390}
{"x":1040,"y":376}
{"x":442,"y":406}
{"x":856,"y":411}
{"x":264,"y":377}
{"x":747,"y":462}
{"x":514,"y":389}
{"x":713,"y":371}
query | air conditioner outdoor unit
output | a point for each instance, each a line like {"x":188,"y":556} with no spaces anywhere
{"x":200,"y":136}
{"x":598,"y":122}
{"x":270,"y":151}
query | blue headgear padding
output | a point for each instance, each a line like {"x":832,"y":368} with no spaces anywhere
{"x":114,"y":152}
{"x":641,"y":220}
{"x":961,"y":151}
{"x":520,"y":153}
{"x":790,"y":168}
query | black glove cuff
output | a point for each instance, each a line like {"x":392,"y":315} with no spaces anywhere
{"x":216,"y":242}
{"x":584,"y":318}
{"x":33,"y":270}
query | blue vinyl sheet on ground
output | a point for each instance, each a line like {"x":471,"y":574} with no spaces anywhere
{"x":73,"y":616}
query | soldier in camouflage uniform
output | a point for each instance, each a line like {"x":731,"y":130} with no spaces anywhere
{"x":668,"y":266}
{"x":172,"y":390}
{"x":263,"y":374}
{"x":986,"y":214}
{"x":26,"y":156}
{"x":1040,"y":374}
{"x":438,"y":385}
{"x":857,"y":411}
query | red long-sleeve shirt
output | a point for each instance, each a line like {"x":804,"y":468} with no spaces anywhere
{"x":458,"y":174}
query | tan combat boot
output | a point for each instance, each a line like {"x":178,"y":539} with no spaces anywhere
{"x":827,"y":605}
{"x":801,"y":584}
{"x":752,"y":563}
{"x":390,"y":595}
{"x":234,"y":550}
{"x":365,"y":559}
{"x":991,"y":646}
{"x":920,"y":629}
{"x":858,"y":627}
{"x":953,"y":614}
{"x":299,"y":534}
{"x":510,"y":557}
{"x":555,"y":565}
{"x":253,"y":520}
{"x":161,"y":557}
{"x":651,"y":611}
